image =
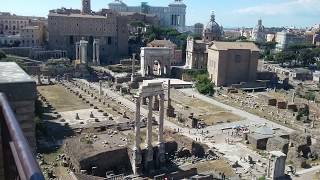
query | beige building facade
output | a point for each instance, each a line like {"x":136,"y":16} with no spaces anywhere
{"x":11,"y":24}
{"x":32,"y":36}
{"x":232,"y":62}
{"x":66,"y":28}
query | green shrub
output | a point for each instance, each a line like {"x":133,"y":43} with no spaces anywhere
{"x":204,"y":85}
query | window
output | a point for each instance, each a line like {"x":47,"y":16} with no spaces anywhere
{"x":109,"y":40}
{"x":237,"y":58}
{"x":71,"y":40}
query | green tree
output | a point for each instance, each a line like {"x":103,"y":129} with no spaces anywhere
{"x":306,"y":57}
{"x":269,"y":58}
{"x":285,"y":57}
{"x":310,"y":96}
{"x":204,"y":85}
{"x":268,"y":47}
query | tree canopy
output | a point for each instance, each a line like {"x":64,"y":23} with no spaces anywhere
{"x":301,"y":55}
{"x":204,"y":85}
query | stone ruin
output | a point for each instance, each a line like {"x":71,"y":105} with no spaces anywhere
{"x":149,"y":90}
{"x":276,"y":165}
{"x":301,"y":149}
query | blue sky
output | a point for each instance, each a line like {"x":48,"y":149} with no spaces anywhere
{"x":229,"y":13}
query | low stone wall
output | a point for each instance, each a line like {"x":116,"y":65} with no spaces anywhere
{"x":21,"y":93}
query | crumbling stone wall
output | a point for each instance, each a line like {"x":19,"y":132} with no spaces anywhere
{"x":84,"y":157}
{"x":300,"y":149}
{"x":278,"y":144}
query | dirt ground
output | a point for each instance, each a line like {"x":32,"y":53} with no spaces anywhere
{"x":207,"y":112}
{"x":61,"y":99}
{"x":210,"y":166}
{"x":220,"y":117}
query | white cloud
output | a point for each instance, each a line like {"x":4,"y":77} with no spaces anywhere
{"x":289,"y":7}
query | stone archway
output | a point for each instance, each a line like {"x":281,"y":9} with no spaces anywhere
{"x":157,"y":68}
{"x":150,"y":55}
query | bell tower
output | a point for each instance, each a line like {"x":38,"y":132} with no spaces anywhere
{"x":86,"y":6}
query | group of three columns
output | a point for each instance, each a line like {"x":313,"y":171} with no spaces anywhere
{"x":148,"y":163}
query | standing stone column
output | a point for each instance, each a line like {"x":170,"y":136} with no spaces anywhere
{"x":100,"y":89}
{"x":149,"y":149}
{"x":98,"y":52}
{"x":169,"y":93}
{"x":94,"y":53}
{"x":160,"y":135}
{"x":133,"y":66}
{"x":39,"y":78}
{"x":83,"y":51}
{"x":170,"y":109}
{"x":137,"y":151}
{"x":77,"y":50}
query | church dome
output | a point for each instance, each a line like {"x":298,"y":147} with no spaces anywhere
{"x":259,"y":27}
{"x":213,"y":26}
{"x":258,"y":33}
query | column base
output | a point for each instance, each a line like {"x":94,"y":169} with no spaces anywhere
{"x":161,"y":154}
{"x":136,"y":161}
{"x":148,"y":164}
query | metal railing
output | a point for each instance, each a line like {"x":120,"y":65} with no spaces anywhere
{"x":18,"y":160}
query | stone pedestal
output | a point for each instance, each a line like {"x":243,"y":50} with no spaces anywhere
{"x":137,"y":158}
{"x":148,"y":163}
{"x":161,"y":154}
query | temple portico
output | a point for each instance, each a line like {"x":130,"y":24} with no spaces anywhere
{"x":149,"y":90}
